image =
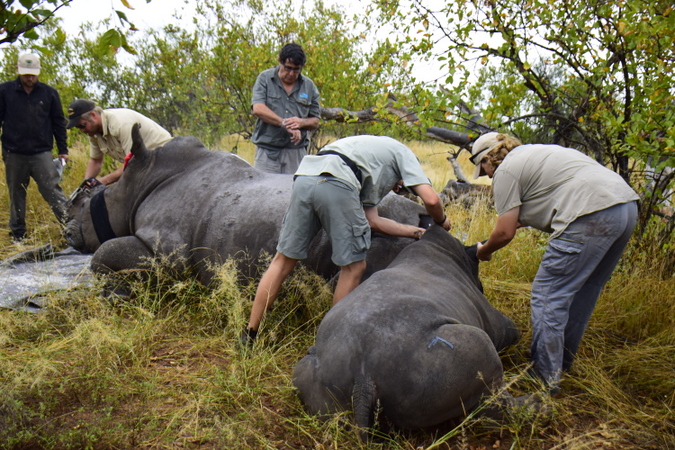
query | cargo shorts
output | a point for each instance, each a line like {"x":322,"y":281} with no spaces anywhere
{"x":328,"y":202}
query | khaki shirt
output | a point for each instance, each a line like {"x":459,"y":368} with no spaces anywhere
{"x":115,"y":141}
{"x":554,"y":186}
{"x":383,"y":162}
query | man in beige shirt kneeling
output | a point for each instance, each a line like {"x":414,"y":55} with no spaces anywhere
{"x":109,"y":134}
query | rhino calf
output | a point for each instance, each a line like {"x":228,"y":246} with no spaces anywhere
{"x":418,"y":341}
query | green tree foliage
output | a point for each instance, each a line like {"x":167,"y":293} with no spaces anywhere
{"x":594,"y":76}
{"x":55,"y":53}
{"x":198,"y":79}
{"x":21,"y":19}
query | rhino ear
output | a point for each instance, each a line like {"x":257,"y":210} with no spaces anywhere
{"x":137,"y":146}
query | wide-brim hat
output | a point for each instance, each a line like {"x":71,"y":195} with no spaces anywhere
{"x":481,"y":147}
{"x":76,"y":109}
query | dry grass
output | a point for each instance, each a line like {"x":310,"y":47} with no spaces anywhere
{"x":162,"y":370}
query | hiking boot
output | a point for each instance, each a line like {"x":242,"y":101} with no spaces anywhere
{"x":17,"y":238}
{"x":553,"y":389}
{"x":247,"y":338}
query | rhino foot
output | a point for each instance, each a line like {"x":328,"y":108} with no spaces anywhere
{"x":116,"y":292}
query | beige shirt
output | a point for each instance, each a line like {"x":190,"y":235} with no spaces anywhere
{"x":115,"y":141}
{"x":554,"y":186}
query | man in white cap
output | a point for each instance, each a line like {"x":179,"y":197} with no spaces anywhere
{"x":590,"y":212}
{"x":31,"y":117}
{"x":109,"y":134}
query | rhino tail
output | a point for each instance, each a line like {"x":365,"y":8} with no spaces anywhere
{"x":138,"y":148}
{"x":365,"y":399}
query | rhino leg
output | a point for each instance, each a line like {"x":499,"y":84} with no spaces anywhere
{"x":123,"y":253}
{"x":322,"y":401}
{"x":119,"y":255}
{"x":448,"y":374}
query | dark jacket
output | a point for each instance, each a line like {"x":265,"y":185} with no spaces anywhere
{"x":31,"y":122}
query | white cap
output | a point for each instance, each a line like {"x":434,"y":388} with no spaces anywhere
{"x":480,"y":149}
{"x":29,"y":64}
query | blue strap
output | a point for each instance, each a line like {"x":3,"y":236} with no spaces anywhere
{"x":438,"y":339}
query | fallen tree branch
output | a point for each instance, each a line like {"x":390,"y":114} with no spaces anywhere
{"x":458,"y":139}
{"x":343,"y":115}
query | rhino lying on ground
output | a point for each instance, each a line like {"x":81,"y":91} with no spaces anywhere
{"x":417,"y":341}
{"x":199,"y":207}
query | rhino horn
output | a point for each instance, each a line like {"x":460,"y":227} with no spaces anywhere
{"x":138,"y":146}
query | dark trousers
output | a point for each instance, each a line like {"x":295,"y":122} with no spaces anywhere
{"x":19,"y":169}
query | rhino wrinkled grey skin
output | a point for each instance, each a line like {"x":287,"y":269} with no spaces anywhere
{"x":417,"y":341}
{"x":199,"y":207}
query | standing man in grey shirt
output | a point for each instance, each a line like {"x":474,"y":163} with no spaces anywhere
{"x":286,"y":104}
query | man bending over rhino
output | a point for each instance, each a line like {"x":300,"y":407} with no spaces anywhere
{"x":109,"y":134}
{"x":339,"y":189}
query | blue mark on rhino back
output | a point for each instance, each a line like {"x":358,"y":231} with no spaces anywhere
{"x":438,"y":339}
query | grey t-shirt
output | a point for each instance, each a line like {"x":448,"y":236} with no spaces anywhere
{"x":383,"y":162}
{"x":303,"y":102}
{"x":554,"y":186}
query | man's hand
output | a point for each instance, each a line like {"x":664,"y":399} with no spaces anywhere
{"x":90,"y":183}
{"x":446,"y":224}
{"x":296,"y":136}
{"x":292,"y":123}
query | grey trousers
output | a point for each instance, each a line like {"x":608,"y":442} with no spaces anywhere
{"x":19,"y":169}
{"x":283,"y":160}
{"x":574,"y":269}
